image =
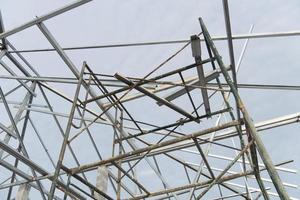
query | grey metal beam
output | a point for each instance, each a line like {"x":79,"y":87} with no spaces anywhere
{"x":3,"y":44}
{"x":192,"y":81}
{"x":181,"y":91}
{"x":44,"y":17}
{"x":66,"y":135}
{"x":229,"y":39}
{"x":21,"y":57}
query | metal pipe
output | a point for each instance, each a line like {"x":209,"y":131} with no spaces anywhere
{"x":66,"y":135}
{"x":215,"y":38}
{"x":260,"y":146}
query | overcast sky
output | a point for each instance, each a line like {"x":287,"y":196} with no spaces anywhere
{"x":267,"y":61}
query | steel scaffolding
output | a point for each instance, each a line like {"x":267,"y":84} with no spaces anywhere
{"x":202,"y":151}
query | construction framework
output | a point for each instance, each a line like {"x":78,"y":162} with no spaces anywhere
{"x":177,"y":152}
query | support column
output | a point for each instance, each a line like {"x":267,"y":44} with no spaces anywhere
{"x":101,"y":182}
{"x":23,"y":192}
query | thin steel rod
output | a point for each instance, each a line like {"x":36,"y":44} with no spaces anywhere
{"x":180,"y":122}
{"x":215,"y":38}
{"x":229,"y":39}
{"x":294,"y":186}
{"x":267,"y":87}
{"x":216,"y":180}
{"x":42,"y":142}
{"x":237,"y":68}
{"x":203,"y":156}
{"x":187,"y":144}
{"x":22,"y":58}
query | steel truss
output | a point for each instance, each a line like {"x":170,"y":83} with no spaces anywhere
{"x":183,"y":164}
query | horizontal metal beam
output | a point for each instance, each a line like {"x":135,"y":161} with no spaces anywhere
{"x":261,"y":126}
{"x":92,"y":166}
{"x":150,"y":43}
{"x":198,"y":185}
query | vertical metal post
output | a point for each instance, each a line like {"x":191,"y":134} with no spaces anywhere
{"x":66,"y":137}
{"x":260,"y":146}
{"x":120,"y":152}
{"x":3,"y":44}
{"x":196,"y":51}
{"x":229,"y":40}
